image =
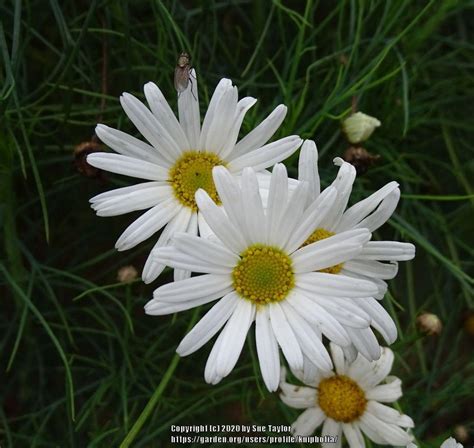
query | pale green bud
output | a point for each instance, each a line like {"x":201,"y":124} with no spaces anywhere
{"x":359,"y":127}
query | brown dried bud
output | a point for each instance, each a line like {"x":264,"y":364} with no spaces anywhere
{"x":429,"y":323}
{"x":81,"y":151}
{"x":360,"y":158}
{"x":461,"y":433}
{"x":127,"y":274}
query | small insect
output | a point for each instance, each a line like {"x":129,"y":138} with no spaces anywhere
{"x":360,"y":158}
{"x":81,"y":152}
{"x":182,"y":73}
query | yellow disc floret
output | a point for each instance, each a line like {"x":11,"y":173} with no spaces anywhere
{"x":263,"y":275}
{"x":341,"y":398}
{"x":318,"y":235}
{"x":193,"y":170}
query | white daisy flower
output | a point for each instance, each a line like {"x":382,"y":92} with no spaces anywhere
{"x":178,"y":160}
{"x":257,"y":267}
{"x":349,"y":401}
{"x":450,"y":442}
{"x":378,"y":259}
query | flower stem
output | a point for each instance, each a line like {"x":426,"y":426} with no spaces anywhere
{"x":148,"y":409}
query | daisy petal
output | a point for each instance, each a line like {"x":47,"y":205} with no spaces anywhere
{"x":188,"y":110}
{"x":334,"y":429}
{"x":285,"y":337}
{"x":163,"y":113}
{"x":387,"y":251}
{"x":209,"y":325}
{"x":267,"y":155}
{"x":354,"y":436}
{"x":253,"y":210}
{"x":383,"y":212}
{"x":261,"y":134}
{"x":307,"y":422}
{"x":267,"y":350}
{"x":389,"y":415}
{"x":128,"y":166}
{"x":381,"y":320}
{"x":379,"y":370}
{"x":219,"y":223}
{"x":277,"y":200}
{"x":337,"y":356}
{"x":346,"y":311}
{"x":153,"y":268}
{"x":372,"y":268}
{"x":330,"y":251}
{"x":129,"y":146}
{"x":388,"y":392}
{"x":147,"y":224}
{"x":234,"y":337}
{"x":191,"y":230}
{"x":390,"y":433}
{"x":353,"y":215}
{"x":308,"y":168}
{"x":323,"y":284}
{"x":365,"y":342}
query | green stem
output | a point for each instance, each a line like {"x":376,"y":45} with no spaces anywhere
{"x":150,"y":406}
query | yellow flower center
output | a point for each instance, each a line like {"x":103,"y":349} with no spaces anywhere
{"x":264,"y":274}
{"x":193,"y":170}
{"x":341,"y":398}
{"x":318,"y":235}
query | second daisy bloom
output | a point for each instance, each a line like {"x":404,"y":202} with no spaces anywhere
{"x":259,"y":271}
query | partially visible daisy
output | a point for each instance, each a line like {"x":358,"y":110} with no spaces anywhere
{"x":178,"y":160}
{"x":349,"y":401}
{"x":255,"y":266}
{"x":378,"y":259}
{"x":450,"y":442}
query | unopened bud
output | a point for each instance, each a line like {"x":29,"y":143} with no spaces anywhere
{"x":359,"y":127}
{"x":81,"y":152}
{"x":461,"y":433}
{"x":127,"y":274}
{"x":429,"y":323}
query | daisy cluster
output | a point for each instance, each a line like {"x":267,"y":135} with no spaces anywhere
{"x":285,"y":254}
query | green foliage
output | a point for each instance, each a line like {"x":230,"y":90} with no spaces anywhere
{"x":79,"y":360}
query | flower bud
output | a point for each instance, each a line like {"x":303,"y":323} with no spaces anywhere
{"x":127,"y":274}
{"x":461,"y":433}
{"x":429,"y":323}
{"x":359,"y":127}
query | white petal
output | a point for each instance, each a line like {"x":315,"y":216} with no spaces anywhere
{"x":321,"y":283}
{"x":330,"y":251}
{"x":387,"y":251}
{"x":219,"y":223}
{"x":348,"y":312}
{"x":261,"y":134}
{"x":381,"y":320}
{"x":308,"y":168}
{"x":208,"y":251}
{"x":267,"y":155}
{"x":354,"y":436}
{"x":310,"y":343}
{"x":371,"y":268}
{"x":128,"y":166}
{"x":277,"y":200}
{"x":308,"y":421}
{"x":285,"y":337}
{"x":223,"y":86}
{"x":317,"y":315}
{"x":163,"y":113}
{"x":153,"y":268}
{"x":353,"y":215}
{"x":365,"y":342}
{"x":390,"y":433}
{"x":389,"y":415}
{"x":147,"y":224}
{"x":234,"y":337}
{"x":150,"y":127}
{"x":192,"y":230}
{"x":210,"y":371}
{"x":383,"y":212}
{"x":311,"y":218}
{"x":133,"y":200}
{"x":193,"y":288}
{"x":381,"y":285}
{"x":343,"y":183}
{"x":188,"y":108}
{"x":378,"y":370}
{"x":338,"y":358}
{"x":180,"y":260}
{"x":209,"y":325}
{"x":387,"y":392}
{"x":127,"y":145}
{"x":267,"y":350}
{"x":451,"y":443}
{"x":331,"y":428}
{"x":253,"y":208}
{"x":242,"y":108}
{"x":222,"y":121}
